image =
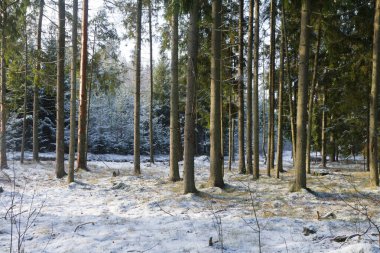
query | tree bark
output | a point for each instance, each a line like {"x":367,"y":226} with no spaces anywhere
{"x":60,"y":144}
{"x":90,"y":92}
{"x":3,"y":109}
{"x":256,"y":132}
{"x":151,"y":153}
{"x":82,"y":161}
{"x":332,"y":143}
{"x":311,"y":97}
{"x":323,"y":128}
{"x":23,"y":139}
{"x":373,"y":112}
{"x":249,"y":89}
{"x":73,"y":98}
{"x":290,"y":94}
{"x":174,"y":97}
{"x":136,"y":146}
{"x":264,"y":117}
{"x":37,"y":84}
{"x":230,"y":130}
{"x":189,"y":149}
{"x":279,"y":167}
{"x":300,"y":180}
{"x":216,"y":172}
{"x":270,"y":164}
{"x":241,"y":89}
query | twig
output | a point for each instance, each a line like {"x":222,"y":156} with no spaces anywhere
{"x":158,"y":205}
{"x":83,"y":224}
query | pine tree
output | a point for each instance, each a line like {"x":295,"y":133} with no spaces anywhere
{"x":37,"y":84}
{"x":189,"y":147}
{"x":136,"y":145}
{"x":82,"y":161}
{"x":256,"y":132}
{"x":241,"y":89}
{"x":174,"y":97}
{"x":60,"y":145}
{"x":304,"y":45}
{"x":3,"y":104}
{"x":216,"y":172}
{"x":249,"y":89}
{"x":373,"y":154}
{"x":73,"y":99}
{"x":270,"y":163}
{"x":151,"y":151}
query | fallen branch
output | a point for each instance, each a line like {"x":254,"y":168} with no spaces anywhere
{"x":83,"y":224}
{"x":158,"y":205}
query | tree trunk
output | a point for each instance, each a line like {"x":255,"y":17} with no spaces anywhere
{"x":264,"y":116}
{"x":311,"y":98}
{"x":241,"y":89}
{"x":90,"y":92}
{"x":323,"y":128}
{"x":82,"y":161}
{"x":279,"y":167}
{"x":151,"y":153}
{"x":60,"y":144}
{"x":373,"y":159}
{"x":25,"y":95}
{"x":216,"y":173}
{"x":249,"y":89}
{"x":332,"y":144}
{"x":300,"y":181}
{"x":174,"y":97}
{"x":230,"y":129}
{"x":256,"y":132}
{"x":290,"y":94}
{"x":3,"y":109}
{"x":270,"y":164}
{"x":136,"y":147}
{"x":188,"y":173}
{"x":37,"y":84}
{"x":73,"y":98}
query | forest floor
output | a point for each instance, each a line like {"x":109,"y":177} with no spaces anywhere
{"x":147,"y":213}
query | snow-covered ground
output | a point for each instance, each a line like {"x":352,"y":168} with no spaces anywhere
{"x":147,"y":213}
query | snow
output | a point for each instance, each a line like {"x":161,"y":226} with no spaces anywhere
{"x":147,"y":213}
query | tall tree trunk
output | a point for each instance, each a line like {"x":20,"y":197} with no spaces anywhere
{"x":151,"y":153}
{"x":323,"y":128}
{"x":264,"y":119}
{"x":188,"y":171}
{"x":241,"y":88}
{"x":270,"y":164}
{"x":60,"y":144}
{"x":136,"y":146}
{"x":174,"y":97}
{"x":25,"y":95}
{"x":73,"y":97}
{"x":279,"y":167}
{"x":230,"y":129}
{"x":216,"y":173}
{"x":82,"y":161}
{"x":3,"y":109}
{"x":311,"y":97}
{"x":37,"y":84}
{"x":373,"y":159}
{"x":256,"y":132}
{"x":290,"y":94}
{"x":367,"y":144}
{"x":90,"y":92}
{"x":332,"y":143}
{"x":249,"y":89}
{"x":300,"y":166}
